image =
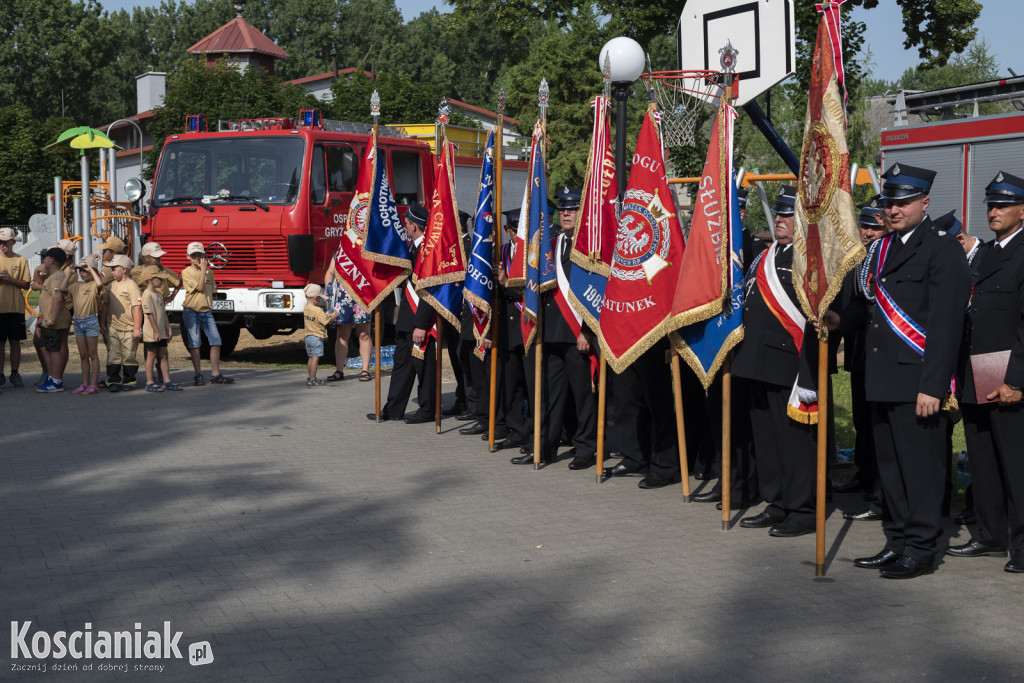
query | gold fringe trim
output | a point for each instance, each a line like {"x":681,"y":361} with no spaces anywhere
{"x":697,"y":315}
{"x":519,"y":282}
{"x":802,"y":417}
{"x":620,"y":363}
{"x":387,"y":260}
{"x":455,"y":321}
{"x":950,"y":404}
{"x":590,"y":321}
{"x":442,"y":279}
{"x":591,"y":265}
{"x":848,"y":263}
{"x":686,"y":352}
{"x":474,"y":299}
{"x":384,"y":293}
{"x":418,"y":353}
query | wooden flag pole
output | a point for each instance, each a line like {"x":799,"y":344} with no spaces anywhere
{"x":375,"y":113}
{"x":819,"y":552}
{"x":538,"y":342}
{"x":492,"y":406}
{"x":601,"y":407}
{"x":684,"y":467}
{"x":439,"y":143}
{"x":725,"y":476}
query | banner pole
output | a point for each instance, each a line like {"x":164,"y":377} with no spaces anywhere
{"x":819,"y":551}
{"x":440,"y":143}
{"x":725,"y":476}
{"x":601,"y":408}
{"x":684,"y":467}
{"x":492,"y":407}
{"x":538,"y":375}
{"x":375,"y":113}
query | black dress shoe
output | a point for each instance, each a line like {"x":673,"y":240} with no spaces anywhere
{"x":653,"y":481}
{"x":454,"y":409}
{"x":499,"y":434}
{"x":418,"y":418}
{"x":708,"y":497}
{"x":975,"y":549}
{"x":466,"y":416}
{"x":762,"y":520}
{"x":473,"y":429}
{"x":739,"y":504}
{"x":790,"y":528}
{"x":1016,"y":565}
{"x":855,"y":485}
{"x":907,"y":568}
{"x":511,"y":441}
{"x":626,"y":468}
{"x":373,"y":416}
{"x":886,"y":558}
{"x":866,"y":516}
{"x":527,"y":448}
{"x":527,"y":459}
{"x":582,"y":463}
{"x":702,"y":475}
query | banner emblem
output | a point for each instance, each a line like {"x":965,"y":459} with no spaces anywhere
{"x":820,"y":166}
{"x":644,"y":241}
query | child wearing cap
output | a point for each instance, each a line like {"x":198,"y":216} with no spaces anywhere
{"x":150,"y":256}
{"x":54,"y":320}
{"x":121,"y":325}
{"x":111,"y":247}
{"x":197,"y":314}
{"x":156,"y":332}
{"x":85,"y":293}
{"x":14,"y":277}
{"x":316,"y":321}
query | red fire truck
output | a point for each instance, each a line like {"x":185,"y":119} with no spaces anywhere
{"x":269,"y":199}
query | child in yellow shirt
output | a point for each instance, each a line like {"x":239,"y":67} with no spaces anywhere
{"x":316,"y":321}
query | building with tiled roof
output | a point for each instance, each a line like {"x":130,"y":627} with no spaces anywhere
{"x":243,"y":43}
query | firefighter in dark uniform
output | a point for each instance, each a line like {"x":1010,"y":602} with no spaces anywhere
{"x":516,"y":367}
{"x":872,"y":227}
{"x":566,"y":356}
{"x":911,"y":353}
{"x":411,"y":329}
{"x":994,"y":422}
{"x":769,"y":360}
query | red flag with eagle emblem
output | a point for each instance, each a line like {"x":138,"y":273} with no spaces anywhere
{"x":637,"y":307}
{"x":825,"y":236}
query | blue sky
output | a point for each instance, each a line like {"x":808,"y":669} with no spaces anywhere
{"x":999,"y":25}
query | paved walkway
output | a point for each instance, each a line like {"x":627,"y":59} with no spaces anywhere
{"x":304,"y":542}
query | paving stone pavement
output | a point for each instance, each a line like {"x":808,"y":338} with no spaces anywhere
{"x":306,"y":543}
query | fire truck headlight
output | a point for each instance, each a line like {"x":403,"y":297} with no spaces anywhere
{"x":134,"y":189}
{"x":278,"y":300}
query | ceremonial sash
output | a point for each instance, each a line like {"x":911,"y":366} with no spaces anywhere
{"x":572,"y":318}
{"x":912,"y":334}
{"x":419,"y":350}
{"x":803,"y":403}
{"x":526,"y":326}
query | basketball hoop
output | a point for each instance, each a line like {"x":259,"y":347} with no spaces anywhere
{"x":681,"y":97}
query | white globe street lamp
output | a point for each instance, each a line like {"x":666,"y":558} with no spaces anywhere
{"x":625,"y":60}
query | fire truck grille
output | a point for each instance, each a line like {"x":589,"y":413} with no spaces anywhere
{"x":250,"y":261}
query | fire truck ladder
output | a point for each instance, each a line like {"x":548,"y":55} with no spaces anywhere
{"x":943,"y":103}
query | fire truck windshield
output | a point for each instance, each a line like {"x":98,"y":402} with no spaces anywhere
{"x":230,"y":170}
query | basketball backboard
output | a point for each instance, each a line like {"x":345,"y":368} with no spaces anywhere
{"x":762,"y":31}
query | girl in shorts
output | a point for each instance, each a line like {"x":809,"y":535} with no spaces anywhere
{"x":85,"y":291}
{"x":156,"y":332}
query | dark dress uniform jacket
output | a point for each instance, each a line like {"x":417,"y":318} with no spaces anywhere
{"x":929,"y":279}
{"x":996,"y":313}
{"x":407,"y":321}
{"x":768,"y":353}
{"x":554,"y":328}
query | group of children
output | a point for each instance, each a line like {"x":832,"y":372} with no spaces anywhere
{"x":125,"y":305}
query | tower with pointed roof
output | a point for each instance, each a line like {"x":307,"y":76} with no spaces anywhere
{"x":242,"y":42}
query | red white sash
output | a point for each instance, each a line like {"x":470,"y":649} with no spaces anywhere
{"x":419,"y":350}
{"x":803,"y":402}
{"x":572,"y":318}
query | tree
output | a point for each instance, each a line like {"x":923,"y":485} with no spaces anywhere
{"x":26,"y":168}
{"x":402,"y":100}
{"x":221,"y":91}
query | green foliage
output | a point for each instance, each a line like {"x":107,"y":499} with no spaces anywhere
{"x":401,"y":100}
{"x":27,"y":170}
{"x":221,"y":92}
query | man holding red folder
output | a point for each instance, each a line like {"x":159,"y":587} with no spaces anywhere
{"x":992,"y":368}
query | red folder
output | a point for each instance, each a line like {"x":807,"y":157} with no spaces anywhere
{"x":989,"y":369}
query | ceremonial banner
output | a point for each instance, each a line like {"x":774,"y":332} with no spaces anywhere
{"x":540,"y":263}
{"x":637,"y":307}
{"x":441,"y":265}
{"x":596,"y":223}
{"x":479,"y":285}
{"x":370,"y":274}
{"x":825,"y":237}
{"x":704,"y":272}
{"x":517,"y":269}
{"x":705,"y":345}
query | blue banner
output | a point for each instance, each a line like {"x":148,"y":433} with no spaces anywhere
{"x":706,"y":345}
{"x":385,"y":240}
{"x":479,"y":286}
{"x":540,"y":263}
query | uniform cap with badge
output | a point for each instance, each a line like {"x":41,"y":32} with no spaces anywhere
{"x":1005,"y":189}
{"x":948,"y":224}
{"x":152,"y":249}
{"x":418,"y":214}
{"x":903,"y":181}
{"x":569,"y":198}
{"x":870,"y":210}
{"x":785,"y":202}
{"x":195,"y":248}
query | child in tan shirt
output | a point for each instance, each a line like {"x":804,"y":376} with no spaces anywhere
{"x":156,"y":331}
{"x":316,"y":321}
{"x":84,"y":285}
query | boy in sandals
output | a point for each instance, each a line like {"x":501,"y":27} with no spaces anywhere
{"x":156,"y":331}
{"x":316,"y":321}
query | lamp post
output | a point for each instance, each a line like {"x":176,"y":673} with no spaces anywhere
{"x":625,"y":59}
